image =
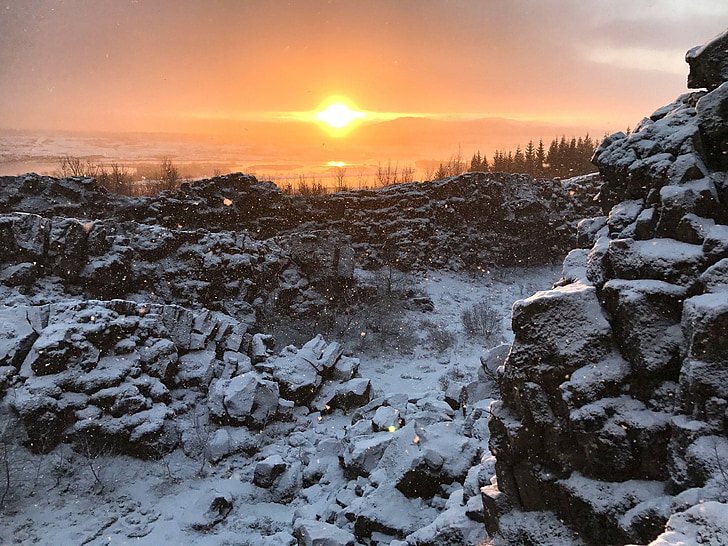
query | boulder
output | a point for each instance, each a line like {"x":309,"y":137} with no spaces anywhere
{"x":245,"y":399}
{"x":712,"y":112}
{"x":267,"y":470}
{"x":196,"y":369}
{"x":645,"y":315}
{"x":319,"y":533}
{"x":708,"y":63}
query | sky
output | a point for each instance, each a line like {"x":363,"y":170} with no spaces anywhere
{"x":208,"y":66}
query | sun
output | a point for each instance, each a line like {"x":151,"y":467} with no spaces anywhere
{"x":339,"y":115}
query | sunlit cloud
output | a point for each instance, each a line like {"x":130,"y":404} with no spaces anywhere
{"x":639,"y":58}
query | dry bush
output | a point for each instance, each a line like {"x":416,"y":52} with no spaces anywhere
{"x":480,"y":320}
{"x":312,"y":188}
{"x":168,"y":175}
{"x":339,"y":174}
{"x":116,"y":178}
{"x":369,"y":317}
{"x":439,"y":338}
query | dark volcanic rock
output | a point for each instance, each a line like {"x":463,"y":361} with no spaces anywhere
{"x":708,"y":63}
{"x":614,"y":392}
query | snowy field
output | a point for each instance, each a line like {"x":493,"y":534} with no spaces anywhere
{"x":65,"y":498}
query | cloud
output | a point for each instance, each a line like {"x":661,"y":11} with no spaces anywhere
{"x":640,"y":58}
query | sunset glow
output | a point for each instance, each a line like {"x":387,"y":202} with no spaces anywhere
{"x":339,"y":115}
{"x":299,"y":83}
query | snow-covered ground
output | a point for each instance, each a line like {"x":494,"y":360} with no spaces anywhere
{"x":67,"y":498}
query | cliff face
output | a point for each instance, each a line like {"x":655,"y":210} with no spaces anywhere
{"x":615,"y":390}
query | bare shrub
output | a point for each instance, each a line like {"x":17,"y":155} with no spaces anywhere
{"x":69,"y":165}
{"x":197,"y":436}
{"x":439,"y":337}
{"x":407,"y":175}
{"x":95,"y":453}
{"x":388,"y":175}
{"x":490,"y":372}
{"x":339,"y":174}
{"x":168,"y":175}
{"x":480,"y":320}
{"x":116,"y":178}
{"x":312,"y":188}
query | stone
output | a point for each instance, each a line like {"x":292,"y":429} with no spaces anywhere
{"x":712,"y":112}
{"x":261,"y":347}
{"x":666,"y":260}
{"x":587,"y":231}
{"x":19,"y":329}
{"x":699,"y":197}
{"x":267,"y":470}
{"x":708,"y":63}
{"x":196,"y":369}
{"x":386,"y":510}
{"x":623,"y":214}
{"x":692,"y":526}
{"x":575,"y":267}
{"x":22,"y":274}
{"x":387,"y":418}
{"x":361,"y":455}
{"x":159,"y":359}
{"x":297,"y":377}
{"x":715,"y":244}
{"x":645,"y":315}
{"x":245,"y":399}
{"x":715,"y":278}
{"x":693,"y":229}
{"x":319,"y":533}
{"x":210,"y":509}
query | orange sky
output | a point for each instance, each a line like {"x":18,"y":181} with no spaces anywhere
{"x":224,"y":66}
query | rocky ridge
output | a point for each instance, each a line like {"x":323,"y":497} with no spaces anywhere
{"x":615,"y":392}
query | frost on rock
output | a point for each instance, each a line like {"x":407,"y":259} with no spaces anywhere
{"x":614,"y":392}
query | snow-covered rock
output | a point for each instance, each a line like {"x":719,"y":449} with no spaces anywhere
{"x":615,"y":385}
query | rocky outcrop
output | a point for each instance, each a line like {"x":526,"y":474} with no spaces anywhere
{"x":613,"y":411}
{"x":119,"y":377}
{"x":471,"y":220}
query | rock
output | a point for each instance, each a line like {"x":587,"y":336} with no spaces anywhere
{"x":262,"y":345}
{"x":712,"y":112}
{"x":452,"y":526}
{"x":575,"y":266}
{"x":297,"y":377}
{"x":645,"y":316}
{"x":318,"y":533}
{"x":660,"y":259}
{"x":245,"y":399}
{"x":196,"y":369}
{"x":387,"y":419}
{"x":715,"y":244}
{"x":350,"y":394}
{"x":623,"y":214}
{"x":209,"y":509}
{"x":715,"y":278}
{"x":23,"y":274}
{"x":361,"y":455}
{"x":698,"y":197}
{"x":708,"y":63}
{"x":159,"y":359}
{"x":385,"y":510}
{"x":19,"y":329}
{"x":345,"y":368}
{"x":267,"y":470}
{"x":693,"y":229}
{"x":692,"y":526}
{"x":587,"y":231}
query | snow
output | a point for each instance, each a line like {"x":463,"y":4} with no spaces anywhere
{"x":169,"y":501}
